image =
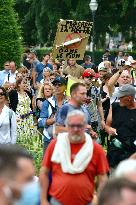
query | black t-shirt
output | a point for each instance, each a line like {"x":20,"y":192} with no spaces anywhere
{"x":124,"y":120}
{"x":106,"y":103}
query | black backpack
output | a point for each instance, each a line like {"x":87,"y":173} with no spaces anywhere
{"x":37,"y":110}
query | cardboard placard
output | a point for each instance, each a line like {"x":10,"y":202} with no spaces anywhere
{"x":71,"y":39}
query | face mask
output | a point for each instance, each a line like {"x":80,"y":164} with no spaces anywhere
{"x":30,"y":194}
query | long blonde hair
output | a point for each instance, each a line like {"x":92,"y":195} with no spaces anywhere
{"x":41,"y":90}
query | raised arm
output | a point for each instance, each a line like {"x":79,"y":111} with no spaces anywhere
{"x":112,"y":81}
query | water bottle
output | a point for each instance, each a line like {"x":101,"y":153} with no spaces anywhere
{"x":117,"y":143}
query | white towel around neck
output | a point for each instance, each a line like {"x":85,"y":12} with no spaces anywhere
{"x":62,"y":154}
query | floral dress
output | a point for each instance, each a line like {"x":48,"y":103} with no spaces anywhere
{"x":25,"y":123}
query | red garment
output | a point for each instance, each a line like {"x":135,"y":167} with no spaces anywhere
{"x":75,"y":189}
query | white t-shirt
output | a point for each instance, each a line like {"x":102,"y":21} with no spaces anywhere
{"x":11,"y":77}
{"x":7,"y":131}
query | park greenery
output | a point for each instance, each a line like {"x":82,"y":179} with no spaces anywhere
{"x":34,"y":22}
{"x":39,"y":18}
{"x":10,"y":33}
{"x":34,"y":145}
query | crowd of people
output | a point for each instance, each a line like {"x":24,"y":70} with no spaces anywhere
{"x":88,"y":131}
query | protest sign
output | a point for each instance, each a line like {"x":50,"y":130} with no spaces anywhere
{"x":71,"y":39}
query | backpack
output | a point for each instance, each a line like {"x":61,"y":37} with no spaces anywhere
{"x":51,"y":113}
{"x":37,"y":109}
{"x":54,"y":109}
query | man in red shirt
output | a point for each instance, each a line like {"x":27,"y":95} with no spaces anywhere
{"x":74,"y":160}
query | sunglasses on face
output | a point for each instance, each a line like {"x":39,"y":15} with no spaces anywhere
{"x":79,"y":126}
{"x":58,"y":84}
{"x":90,"y":77}
{"x":2,"y":94}
{"x":6,"y":65}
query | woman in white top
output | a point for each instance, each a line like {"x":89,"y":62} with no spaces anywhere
{"x":7,"y":121}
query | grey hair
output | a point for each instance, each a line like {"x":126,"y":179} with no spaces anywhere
{"x":46,"y":69}
{"x":125,"y":167}
{"x":75,"y":113}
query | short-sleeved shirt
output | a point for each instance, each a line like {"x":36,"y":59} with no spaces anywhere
{"x":62,"y":114}
{"x":3,"y":74}
{"x":39,"y":70}
{"x":75,"y":71}
{"x":81,"y":186}
{"x":11,"y":77}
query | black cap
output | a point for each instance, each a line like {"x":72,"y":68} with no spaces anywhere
{"x":59,"y":79}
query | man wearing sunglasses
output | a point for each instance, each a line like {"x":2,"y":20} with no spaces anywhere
{"x":74,"y":160}
{"x":94,"y":103}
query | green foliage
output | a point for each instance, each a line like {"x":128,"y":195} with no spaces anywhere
{"x":10,"y":35}
{"x":97,"y":54}
{"x":27,"y":21}
{"x":39,"y":18}
{"x":42,"y":51}
{"x":34,"y":146}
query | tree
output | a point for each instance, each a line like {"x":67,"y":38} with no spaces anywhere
{"x":39,"y":18}
{"x":27,"y":17}
{"x":10,"y":35}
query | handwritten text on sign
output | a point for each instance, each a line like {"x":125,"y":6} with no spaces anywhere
{"x":71,"y":39}
{"x":75,"y":27}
